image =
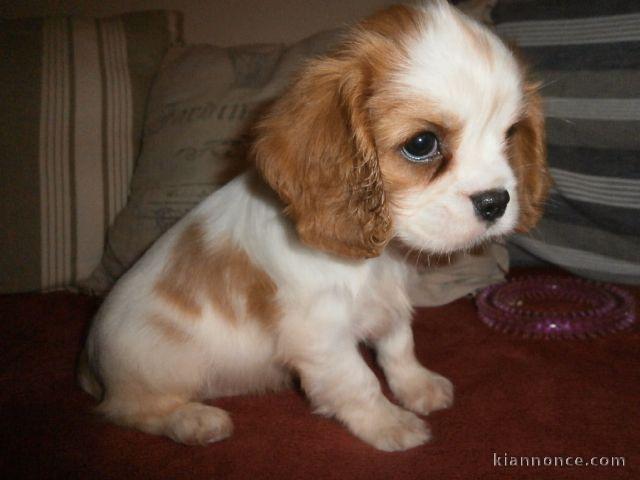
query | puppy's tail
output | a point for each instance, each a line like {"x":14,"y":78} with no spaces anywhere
{"x":86,"y":378}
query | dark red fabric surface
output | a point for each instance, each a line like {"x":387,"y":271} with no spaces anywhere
{"x":513,"y":396}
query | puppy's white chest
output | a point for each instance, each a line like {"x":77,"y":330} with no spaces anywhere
{"x":381,"y":304}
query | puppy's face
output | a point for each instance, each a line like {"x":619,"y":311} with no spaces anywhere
{"x":443,"y":119}
{"x":420,"y":126}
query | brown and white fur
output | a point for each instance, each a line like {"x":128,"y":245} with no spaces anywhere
{"x":292,"y":264}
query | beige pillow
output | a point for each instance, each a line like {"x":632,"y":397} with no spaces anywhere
{"x":199,"y":108}
{"x":71,"y":114}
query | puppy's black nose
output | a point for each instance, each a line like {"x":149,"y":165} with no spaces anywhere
{"x":491,"y":204}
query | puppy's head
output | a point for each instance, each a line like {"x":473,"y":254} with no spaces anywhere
{"x":419,"y":125}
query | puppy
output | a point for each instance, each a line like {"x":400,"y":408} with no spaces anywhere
{"x":418,"y":131}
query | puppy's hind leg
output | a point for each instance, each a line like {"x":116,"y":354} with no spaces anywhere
{"x":184,"y":421}
{"x":195,"y":423}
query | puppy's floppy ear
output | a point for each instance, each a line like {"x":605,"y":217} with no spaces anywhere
{"x":528,"y":155}
{"x":314,"y":148}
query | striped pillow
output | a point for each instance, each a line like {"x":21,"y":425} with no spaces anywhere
{"x":587,"y":55}
{"x":74,"y":94}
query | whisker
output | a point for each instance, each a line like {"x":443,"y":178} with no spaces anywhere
{"x":547,"y":83}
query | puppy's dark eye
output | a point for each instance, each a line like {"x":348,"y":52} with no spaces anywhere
{"x":422,"y":148}
{"x":511,"y":131}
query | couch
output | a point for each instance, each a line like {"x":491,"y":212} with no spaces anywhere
{"x":157,"y":123}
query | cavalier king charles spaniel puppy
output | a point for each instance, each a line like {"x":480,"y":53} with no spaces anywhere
{"x":418,"y":132}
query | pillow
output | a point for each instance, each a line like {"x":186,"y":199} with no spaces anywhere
{"x":587,"y":55}
{"x":71,"y":113}
{"x":194,"y":138}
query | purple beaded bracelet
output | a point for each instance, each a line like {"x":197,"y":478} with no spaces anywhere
{"x":556,"y":307}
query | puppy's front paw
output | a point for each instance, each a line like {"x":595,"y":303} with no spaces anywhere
{"x":424,"y":392}
{"x":391,"y":429}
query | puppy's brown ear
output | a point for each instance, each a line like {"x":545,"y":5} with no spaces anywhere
{"x":528,"y":155}
{"x":314,"y":148}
